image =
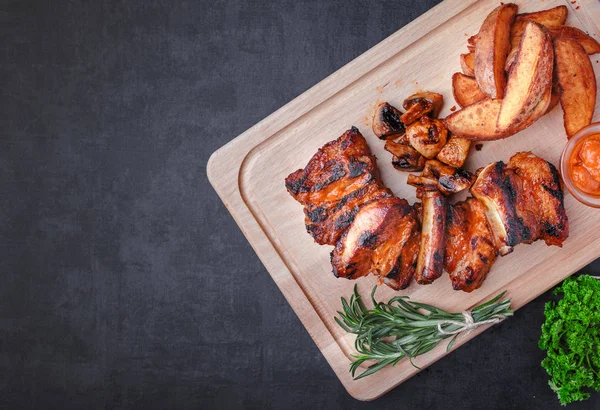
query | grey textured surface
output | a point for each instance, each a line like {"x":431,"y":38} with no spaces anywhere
{"x":124,"y":281}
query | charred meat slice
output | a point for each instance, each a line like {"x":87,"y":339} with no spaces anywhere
{"x":420,"y":104}
{"x":386,"y":122}
{"x":470,"y":251}
{"x":430,"y":262}
{"x":340,"y":178}
{"x":327,"y":221}
{"x":539,"y":198}
{"x":339,"y":168}
{"x":523,"y":201}
{"x":405,"y":158}
{"x":496,"y":193}
{"x":382,"y":240}
{"x":428,"y":136}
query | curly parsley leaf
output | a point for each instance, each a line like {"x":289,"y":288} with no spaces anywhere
{"x":571,"y":337}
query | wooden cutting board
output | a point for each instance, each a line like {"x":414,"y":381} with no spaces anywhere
{"x":248,"y":174}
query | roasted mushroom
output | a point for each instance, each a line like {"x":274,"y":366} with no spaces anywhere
{"x":428,"y":136}
{"x":420,"y":104}
{"x":450,"y":180}
{"x":406,"y":158}
{"x":386,"y":122}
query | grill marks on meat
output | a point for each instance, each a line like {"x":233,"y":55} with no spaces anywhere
{"x":384,"y":240}
{"x":340,"y":178}
{"x":470,"y":251}
{"x":539,"y":198}
{"x":327,"y":221}
{"x":523,"y":202}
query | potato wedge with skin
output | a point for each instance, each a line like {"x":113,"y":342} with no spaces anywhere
{"x":510,"y":59}
{"x":477,"y":122}
{"x":551,"y":18}
{"x":589,"y":44}
{"x":529,"y":78}
{"x":465,"y":90}
{"x":556,"y":92}
{"x":455,"y":151}
{"x":577,"y":82}
{"x":467,"y":64}
{"x":491,"y":49}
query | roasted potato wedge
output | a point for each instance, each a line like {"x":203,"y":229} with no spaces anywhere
{"x":467,"y":64}
{"x":405,"y":158}
{"x":430,"y":262}
{"x":477,"y":122}
{"x":455,"y":151}
{"x":551,"y":18}
{"x":428,"y":136}
{"x":420,"y":104}
{"x":491,"y":49}
{"x":465,"y":90}
{"x":556,"y":91}
{"x":589,"y":44}
{"x":471,"y":41}
{"x":386,"y":122}
{"x":577,"y":82}
{"x":529,"y":78}
{"x":510,"y":59}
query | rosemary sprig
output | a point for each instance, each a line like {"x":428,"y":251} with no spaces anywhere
{"x":401,"y":328}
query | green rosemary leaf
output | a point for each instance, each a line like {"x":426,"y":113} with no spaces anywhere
{"x":401,"y":328}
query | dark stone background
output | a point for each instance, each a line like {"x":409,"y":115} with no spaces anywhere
{"x":125,"y":283}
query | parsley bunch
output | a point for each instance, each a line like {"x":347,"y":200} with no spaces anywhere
{"x":571,"y":337}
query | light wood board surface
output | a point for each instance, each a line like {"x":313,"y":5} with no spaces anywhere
{"x":248,"y":174}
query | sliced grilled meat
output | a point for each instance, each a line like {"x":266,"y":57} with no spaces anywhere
{"x":430,"y":262}
{"x":539,"y":198}
{"x":496,"y":194}
{"x":327,"y":221}
{"x":383,"y":240}
{"x":340,"y":178}
{"x":523,"y":201}
{"x":470,"y":251}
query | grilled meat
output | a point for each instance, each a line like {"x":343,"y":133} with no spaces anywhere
{"x":430,"y":262}
{"x":470,"y":250}
{"x":386,"y":122}
{"x":340,"y":178}
{"x":523,"y":201}
{"x":539,"y":198}
{"x":383,"y":239}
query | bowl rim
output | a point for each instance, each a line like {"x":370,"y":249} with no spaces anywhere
{"x":584,"y":198}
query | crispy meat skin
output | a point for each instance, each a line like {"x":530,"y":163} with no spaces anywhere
{"x":523,"y":201}
{"x":470,"y":251}
{"x":340,"y":178}
{"x":383,"y":239}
